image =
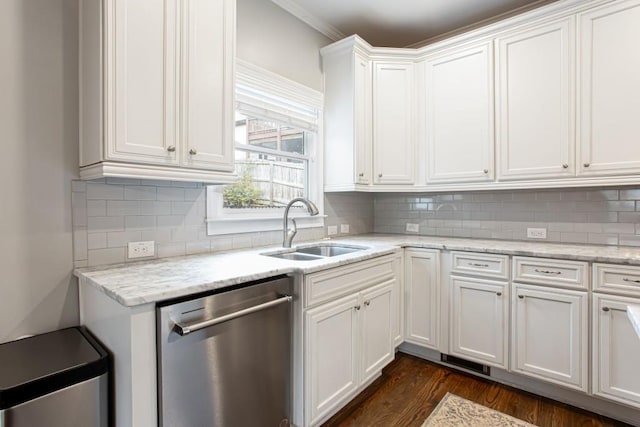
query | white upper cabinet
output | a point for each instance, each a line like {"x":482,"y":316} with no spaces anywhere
{"x":208,"y":81}
{"x":459,"y":121}
{"x":141,"y":81}
{"x":394,"y":149}
{"x":347,"y":115}
{"x":156,"y":89}
{"x":535,"y":99}
{"x":609,"y":89}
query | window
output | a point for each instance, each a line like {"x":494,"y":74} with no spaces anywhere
{"x":276,"y":155}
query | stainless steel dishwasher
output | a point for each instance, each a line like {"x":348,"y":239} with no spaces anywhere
{"x":225,"y":359}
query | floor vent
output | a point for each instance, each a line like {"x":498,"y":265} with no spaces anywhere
{"x":466,"y":364}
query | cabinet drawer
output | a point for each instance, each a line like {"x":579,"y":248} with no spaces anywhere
{"x":618,"y":279}
{"x":486,"y":265}
{"x":333,"y":283}
{"x":551,"y":272}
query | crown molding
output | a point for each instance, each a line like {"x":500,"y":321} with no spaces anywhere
{"x":311,"y":20}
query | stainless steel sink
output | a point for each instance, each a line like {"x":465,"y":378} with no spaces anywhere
{"x":295,"y":256}
{"x":315,"y":252}
{"x":328,"y":250}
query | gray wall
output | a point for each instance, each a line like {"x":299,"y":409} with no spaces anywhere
{"x":38,"y":118}
{"x":608,"y":216}
{"x":273,"y":39}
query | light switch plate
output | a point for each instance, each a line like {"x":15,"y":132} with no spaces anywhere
{"x":413,"y":228}
{"x":141,"y":249}
{"x":332,"y":230}
{"x":344,"y":228}
{"x":536,"y":233}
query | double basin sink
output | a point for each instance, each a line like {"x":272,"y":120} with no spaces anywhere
{"x":315,"y":252}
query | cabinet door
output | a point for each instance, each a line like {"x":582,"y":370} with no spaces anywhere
{"x":393,"y":134}
{"x":459,"y":108}
{"x":141,"y":81}
{"x":534,"y":83}
{"x":208,"y":84}
{"x":422,"y":297}
{"x":609,"y":89}
{"x":362,"y":113}
{"x":397,"y":301}
{"x":479,"y":315}
{"x":616,"y":350}
{"x":550,"y":340}
{"x":331,"y":355}
{"x":377,"y":341}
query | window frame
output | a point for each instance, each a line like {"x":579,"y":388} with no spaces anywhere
{"x":222,"y":220}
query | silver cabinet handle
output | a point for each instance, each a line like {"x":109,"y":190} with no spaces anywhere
{"x":499,"y":294}
{"x":379,"y":175}
{"x":475,"y":264}
{"x":367,"y":303}
{"x":171,"y":148}
{"x":586,"y":165}
{"x":485,"y":171}
{"x":607,"y":309}
{"x":564,"y":165}
{"x":357,"y":307}
{"x":626,"y":279}
{"x":193,"y":151}
{"x":361,"y":174}
{"x":186,"y":328}
{"x":521,"y":296}
{"x":547,"y":271}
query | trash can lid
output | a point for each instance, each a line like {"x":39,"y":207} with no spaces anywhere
{"x":39,"y":365}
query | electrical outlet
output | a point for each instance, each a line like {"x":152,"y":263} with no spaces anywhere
{"x":332,"y":230}
{"x":536,"y":233}
{"x":344,"y":228}
{"x":141,"y":249}
{"x":413,"y":228}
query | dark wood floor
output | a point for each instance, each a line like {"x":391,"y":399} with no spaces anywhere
{"x":410,"y":388}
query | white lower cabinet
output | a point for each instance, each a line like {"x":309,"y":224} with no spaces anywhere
{"x":616,"y":350}
{"x":422,"y":297}
{"x":478,"y":328}
{"x":549,"y":335}
{"x":347,"y":343}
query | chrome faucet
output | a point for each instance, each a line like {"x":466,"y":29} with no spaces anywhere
{"x":290,"y":234}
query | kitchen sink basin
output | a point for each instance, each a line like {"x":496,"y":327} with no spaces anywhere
{"x":295,"y":256}
{"x":315,"y":252}
{"x":328,"y":250}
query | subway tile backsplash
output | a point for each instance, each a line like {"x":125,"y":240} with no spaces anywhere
{"x":593,"y":216}
{"x":110,"y":213}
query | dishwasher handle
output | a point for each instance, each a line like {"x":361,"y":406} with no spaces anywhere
{"x":186,"y":328}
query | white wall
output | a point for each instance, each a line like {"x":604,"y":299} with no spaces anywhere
{"x":38,"y":124}
{"x":271,"y":38}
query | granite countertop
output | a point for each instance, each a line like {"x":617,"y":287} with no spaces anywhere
{"x":162,"y":279}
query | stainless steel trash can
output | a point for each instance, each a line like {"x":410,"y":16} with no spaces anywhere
{"x":58,"y":379}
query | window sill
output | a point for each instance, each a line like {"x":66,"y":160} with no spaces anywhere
{"x":220,"y":226}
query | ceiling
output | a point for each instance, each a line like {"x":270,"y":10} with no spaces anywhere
{"x":400,"y":23}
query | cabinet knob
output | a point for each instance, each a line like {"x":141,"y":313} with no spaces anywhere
{"x":564,"y":165}
{"x":379,"y":175}
{"x":605,"y":309}
{"x":361,"y":174}
{"x":193,"y":151}
{"x":499,"y":294}
{"x":586,"y":165}
{"x":486,"y":171}
{"x":357,"y":307}
{"x":521,"y":296}
{"x":171,"y":148}
{"x":367,"y":303}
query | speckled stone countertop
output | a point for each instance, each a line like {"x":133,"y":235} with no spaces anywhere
{"x":167,"y":278}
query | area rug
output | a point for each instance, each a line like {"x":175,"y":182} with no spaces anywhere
{"x":454,"y":411}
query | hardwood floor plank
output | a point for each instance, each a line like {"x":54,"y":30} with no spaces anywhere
{"x":410,"y":388}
